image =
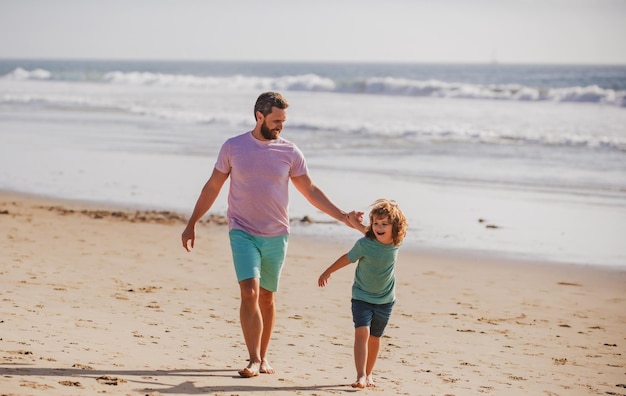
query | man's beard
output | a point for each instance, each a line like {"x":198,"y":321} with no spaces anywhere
{"x":268,"y":133}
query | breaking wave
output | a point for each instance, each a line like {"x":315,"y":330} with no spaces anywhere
{"x":369,"y":86}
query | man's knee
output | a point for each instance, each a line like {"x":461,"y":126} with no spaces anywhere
{"x":249,"y":290}
{"x":266,"y":298}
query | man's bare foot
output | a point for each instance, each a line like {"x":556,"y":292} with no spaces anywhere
{"x":369,"y":382}
{"x":251,"y":371}
{"x":359,"y":383}
{"x":266,"y":368}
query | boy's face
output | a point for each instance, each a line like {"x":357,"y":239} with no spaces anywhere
{"x":383,"y":229}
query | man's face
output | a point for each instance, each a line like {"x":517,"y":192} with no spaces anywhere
{"x":273,"y":123}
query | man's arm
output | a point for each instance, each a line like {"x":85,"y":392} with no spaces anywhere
{"x":319,"y":199}
{"x":206,"y":199}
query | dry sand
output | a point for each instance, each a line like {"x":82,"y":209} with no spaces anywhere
{"x":108,"y":302}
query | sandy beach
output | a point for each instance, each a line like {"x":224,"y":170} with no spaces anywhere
{"x":98,"y":300}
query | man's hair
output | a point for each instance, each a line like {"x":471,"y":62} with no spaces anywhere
{"x":388,"y":208}
{"x":267,"y":100}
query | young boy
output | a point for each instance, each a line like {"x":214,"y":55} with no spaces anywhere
{"x":373,"y":291}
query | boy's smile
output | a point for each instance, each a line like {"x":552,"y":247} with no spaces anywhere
{"x":383,"y":230}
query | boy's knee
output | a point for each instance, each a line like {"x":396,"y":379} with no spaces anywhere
{"x":362,"y":331}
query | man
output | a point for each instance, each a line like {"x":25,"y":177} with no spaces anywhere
{"x":260,"y":164}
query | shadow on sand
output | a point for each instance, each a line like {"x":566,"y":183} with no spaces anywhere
{"x":145,"y":378}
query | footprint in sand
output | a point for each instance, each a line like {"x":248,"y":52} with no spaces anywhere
{"x":107,"y":380}
{"x":82,"y":366}
{"x":71,"y":383}
{"x":35,"y":385}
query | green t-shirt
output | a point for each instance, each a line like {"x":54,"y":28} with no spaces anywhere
{"x":374,"y":277}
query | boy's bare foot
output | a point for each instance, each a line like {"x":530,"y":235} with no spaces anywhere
{"x":251,"y":371}
{"x":266,"y":368}
{"x":359,"y":383}
{"x":369,"y":382}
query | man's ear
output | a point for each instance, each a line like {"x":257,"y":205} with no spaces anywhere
{"x":259,"y":116}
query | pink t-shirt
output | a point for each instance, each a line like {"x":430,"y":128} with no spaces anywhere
{"x":258,"y":199}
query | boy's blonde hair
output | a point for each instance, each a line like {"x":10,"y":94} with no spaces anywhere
{"x":388,"y":208}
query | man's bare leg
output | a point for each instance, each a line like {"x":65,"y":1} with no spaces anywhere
{"x":251,"y":325}
{"x":268,"y":312}
{"x":373,"y":346}
{"x":361,"y":336}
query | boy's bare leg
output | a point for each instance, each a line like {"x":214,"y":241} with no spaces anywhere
{"x":373,"y":346}
{"x":268,"y":312}
{"x":361,"y":336}
{"x":251,"y":325}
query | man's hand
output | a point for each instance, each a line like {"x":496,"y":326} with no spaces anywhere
{"x":188,"y":237}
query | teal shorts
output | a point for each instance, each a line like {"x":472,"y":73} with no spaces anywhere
{"x":258,"y":257}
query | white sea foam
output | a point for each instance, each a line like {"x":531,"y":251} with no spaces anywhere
{"x":408,"y":132}
{"x":394,"y":86}
{"x":22,"y":74}
{"x":309,"y":82}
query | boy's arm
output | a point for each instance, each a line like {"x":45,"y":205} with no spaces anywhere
{"x":340,"y":263}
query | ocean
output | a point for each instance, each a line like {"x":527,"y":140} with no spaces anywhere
{"x":526,"y":161}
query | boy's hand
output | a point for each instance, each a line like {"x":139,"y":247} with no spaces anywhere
{"x":323,"y":280}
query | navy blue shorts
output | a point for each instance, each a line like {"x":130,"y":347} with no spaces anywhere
{"x":376,"y":316}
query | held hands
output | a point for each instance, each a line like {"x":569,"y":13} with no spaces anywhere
{"x":355,"y":220}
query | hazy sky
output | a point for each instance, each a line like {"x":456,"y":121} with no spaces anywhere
{"x":509,"y":31}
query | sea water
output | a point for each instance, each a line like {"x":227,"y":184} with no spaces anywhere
{"x":523,"y":160}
